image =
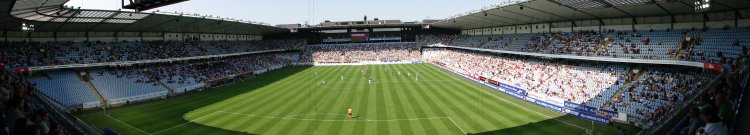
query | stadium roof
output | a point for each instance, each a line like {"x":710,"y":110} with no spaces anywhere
{"x":547,"y":11}
{"x":52,"y":15}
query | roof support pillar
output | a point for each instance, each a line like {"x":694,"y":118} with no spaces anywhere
{"x":54,"y":36}
{"x":531,"y":28}
{"x":632,"y":27}
{"x":671,"y":24}
{"x":601,"y":23}
{"x":705,"y":19}
{"x":736,"y":18}
{"x":5,"y":36}
{"x":573,"y":25}
{"x":28,"y":36}
{"x":140,"y":34}
{"x":549,"y":26}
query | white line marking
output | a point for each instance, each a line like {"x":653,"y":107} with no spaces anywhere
{"x":354,"y":120}
{"x":480,"y":89}
{"x":454,"y":123}
{"x":185,"y":123}
{"x":126,"y":124}
{"x":292,"y":116}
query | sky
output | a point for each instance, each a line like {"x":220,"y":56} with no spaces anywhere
{"x":300,"y":11}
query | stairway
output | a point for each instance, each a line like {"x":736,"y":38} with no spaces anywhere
{"x":115,"y":55}
{"x":170,"y":91}
{"x":606,"y":43}
{"x":87,"y":79}
{"x":512,"y":39}
{"x":684,"y":46}
{"x":625,"y":85}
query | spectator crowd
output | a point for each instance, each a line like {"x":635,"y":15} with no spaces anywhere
{"x":618,"y":87}
{"x":29,"y":54}
{"x":581,"y":43}
{"x":571,"y":81}
{"x":719,"y":46}
{"x":350,"y":53}
{"x":22,"y":113}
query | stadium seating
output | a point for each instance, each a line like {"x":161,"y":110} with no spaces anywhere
{"x":20,"y":101}
{"x":61,"y":53}
{"x":64,"y":87}
{"x":180,"y":83}
{"x":644,"y":44}
{"x":626,"y":44}
{"x":123,"y":83}
{"x":576,"y":43}
{"x":723,"y":46}
{"x":656,"y":93}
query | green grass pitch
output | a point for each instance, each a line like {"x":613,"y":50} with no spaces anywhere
{"x":295,"y":101}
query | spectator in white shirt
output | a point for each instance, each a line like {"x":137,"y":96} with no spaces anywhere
{"x":714,"y":126}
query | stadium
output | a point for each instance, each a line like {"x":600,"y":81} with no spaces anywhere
{"x":540,"y":67}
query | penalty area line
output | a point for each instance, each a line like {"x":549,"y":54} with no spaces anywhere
{"x":191,"y":121}
{"x":126,"y":124}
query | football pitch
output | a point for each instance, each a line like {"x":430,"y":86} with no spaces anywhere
{"x":305,"y":100}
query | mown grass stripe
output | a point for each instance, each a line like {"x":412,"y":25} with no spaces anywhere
{"x":467,"y":108}
{"x":313,"y":100}
{"x":444,"y":125}
{"x":527,"y":115}
{"x":167,"y":109}
{"x":403,"y":103}
{"x":313,"y":127}
{"x":342,"y":102}
{"x":382,"y":103}
{"x":293,"y":100}
{"x":328,"y":99}
{"x":247,"y":104}
{"x":439,"y":101}
{"x":364,"y":104}
{"x":389,"y":101}
{"x":423,"y":106}
{"x":339,"y":102}
{"x":516,"y":118}
{"x":355,"y":102}
{"x":496,"y":106}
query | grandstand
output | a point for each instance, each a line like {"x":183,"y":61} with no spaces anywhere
{"x":642,"y":67}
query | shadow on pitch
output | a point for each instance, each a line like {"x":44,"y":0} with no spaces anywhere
{"x":557,"y":127}
{"x":169,"y":112}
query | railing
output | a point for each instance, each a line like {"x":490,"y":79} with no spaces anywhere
{"x":137,"y":98}
{"x":61,"y":114}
